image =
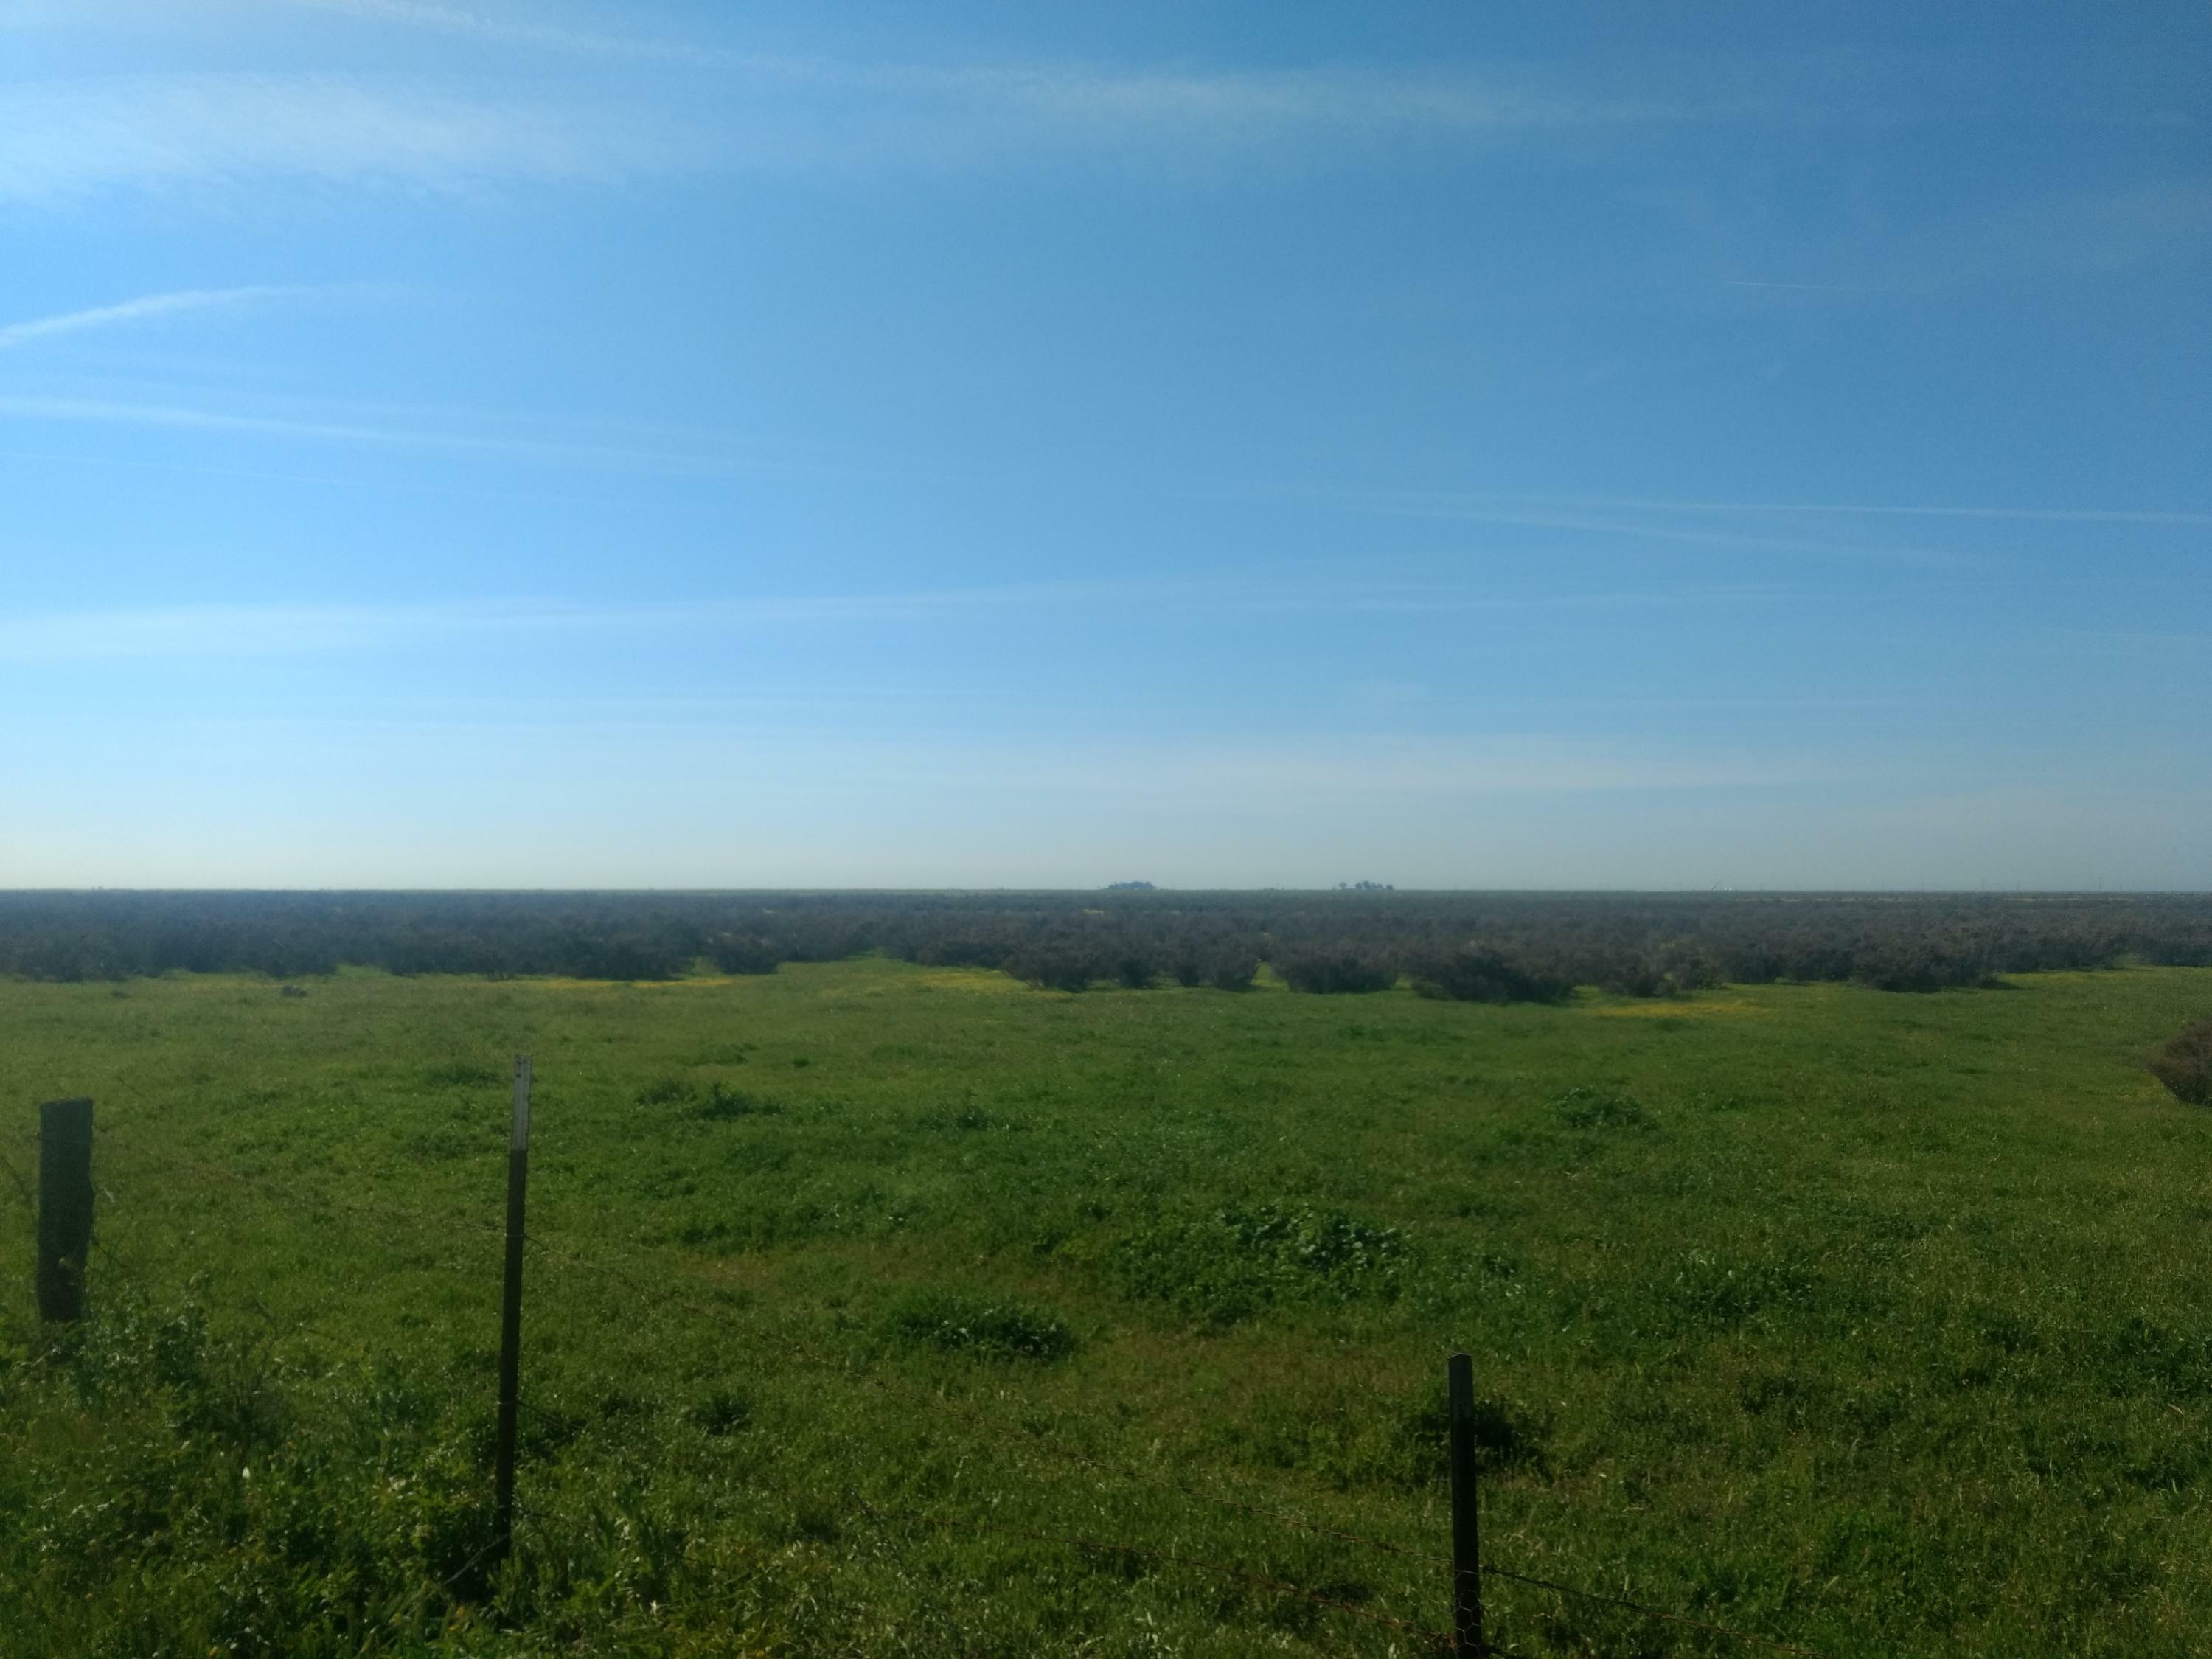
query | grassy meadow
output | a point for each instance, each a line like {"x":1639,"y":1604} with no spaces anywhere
{"x":1876,"y":1323}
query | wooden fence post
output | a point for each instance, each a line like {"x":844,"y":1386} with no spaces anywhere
{"x":64,"y":1206}
{"x":1467,"y":1552}
{"x":510,"y":1315}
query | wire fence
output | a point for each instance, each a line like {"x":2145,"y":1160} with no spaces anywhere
{"x":1050,"y":1444}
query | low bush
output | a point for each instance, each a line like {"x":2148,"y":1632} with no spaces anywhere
{"x":1134,"y":967}
{"x":1233,"y":970}
{"x":1225,"y":968}
{"x":1343,"y":969}
{"x":1643,"y":945}
{"x":743,"y":953}
{"x":1474,"y":974}
{"x":1059,"y":965}
{"x":1918,"y":965}
{"x":2184,"y":1064}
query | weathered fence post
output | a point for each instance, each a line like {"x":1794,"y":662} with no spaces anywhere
{"x":510,"y":1313}
{"x":64,"y":1206}
{"x":1466,"y":1551}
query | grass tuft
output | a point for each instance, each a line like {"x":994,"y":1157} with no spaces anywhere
{"x":990,"y":1329}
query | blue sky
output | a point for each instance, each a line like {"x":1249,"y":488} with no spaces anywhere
{"x":546,"y":445}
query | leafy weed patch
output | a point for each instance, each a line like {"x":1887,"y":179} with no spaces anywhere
{"x":719,"y":1104}
{"x":1227,"y":1266}
{"x":994,"y":1330}
{"x":1602,"y":1110}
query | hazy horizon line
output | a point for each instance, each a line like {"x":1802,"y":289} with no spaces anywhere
{"x":1385,"y":892}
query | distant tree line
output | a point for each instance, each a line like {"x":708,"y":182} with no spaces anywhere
{"x":1493,"y":947}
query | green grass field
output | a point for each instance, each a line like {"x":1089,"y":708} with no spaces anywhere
{"x":1876,"y":1323}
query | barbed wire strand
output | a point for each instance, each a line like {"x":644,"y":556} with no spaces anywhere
{"x":23,"y":1188}
{"x":300,"y":1196}
{"x":418,"y":1218}
{"x":852,"y":1499}
{"x":1040,"y":1443}
{"x":1278,"y":1517}
{"x":572,"y":1424}
{"x":974,"y":1418}
{"x":439,"y":1585}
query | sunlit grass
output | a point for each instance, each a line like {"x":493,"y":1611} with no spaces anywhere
{"x":1872,"y":1322}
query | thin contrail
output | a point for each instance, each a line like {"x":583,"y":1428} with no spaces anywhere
{"x":549,"y":37}
{"x":133,"y":311}
{"x":1446,"y":500}
{"x":2048,"y":514}
{"x":1816,"y":288}
{"x":98,"y":410}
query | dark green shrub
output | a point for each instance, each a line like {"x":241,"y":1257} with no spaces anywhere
{"x":1474,"y":974}
{"x":1223,"y":967}
{"x":1645,"y":944}
{"x":1058,"y":965}
{"x":625,"y":958}
{"x":743,"y":953}
{"x":1919,"y":963}
{"x":1134,"y":967}
{"x":1686,"y":965}
{"x":1672,"y":968}
{"x":1344,"y":968}
{"x":1233,"y":970}
{"x":2184,"y":1064}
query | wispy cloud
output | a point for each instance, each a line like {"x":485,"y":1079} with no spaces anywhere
{"x":138,"y":310}
{"x":1625,"y":526}
{"x":211,"y":631}
{"x":62,"y":139}
{"x":1098,"y":98}
{"x":1844,"y":509}
{"x":219,"y":631}
{"x":504,"y":31}
{"x":2080,"y":234}
{"x":697,"y":454}
{"x":1537,"y":765}
{"x":1248,"y":104}
{"x":2027,"y":237}
{"x":1813,"y":288}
